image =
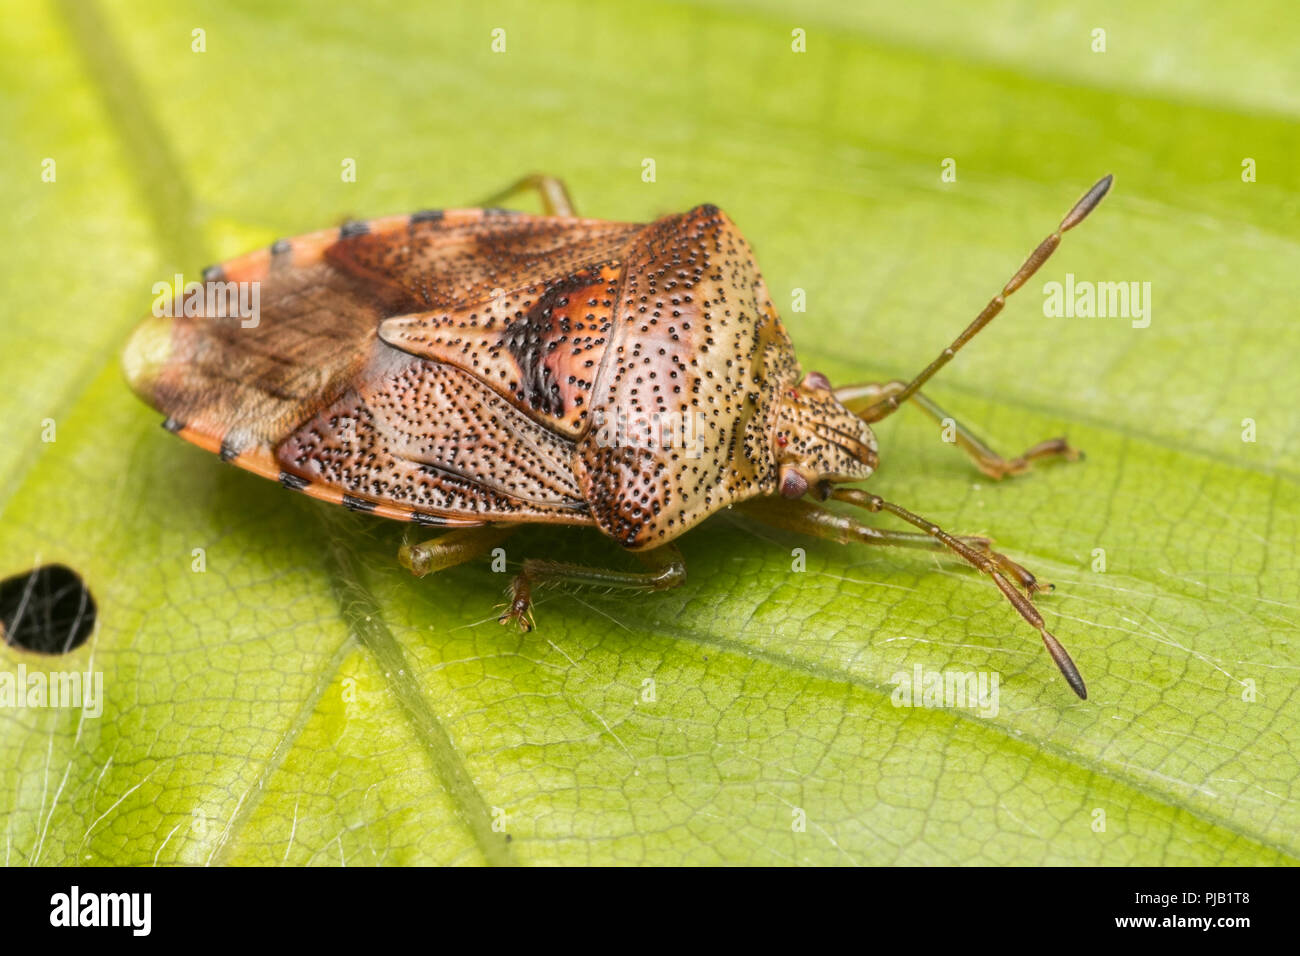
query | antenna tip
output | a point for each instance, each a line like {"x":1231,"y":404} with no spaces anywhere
{"x":1065,"y":665}
{"x":1088,"y":203}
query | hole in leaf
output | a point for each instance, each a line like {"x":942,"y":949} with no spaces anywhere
{"x":48,"y":610}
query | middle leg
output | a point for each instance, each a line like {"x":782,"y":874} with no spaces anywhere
{"x":666,"y":570}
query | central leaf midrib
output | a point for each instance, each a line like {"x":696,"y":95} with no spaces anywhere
{"x":173,"y":213}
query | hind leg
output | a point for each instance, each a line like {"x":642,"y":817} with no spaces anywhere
{"x":553,"y":193}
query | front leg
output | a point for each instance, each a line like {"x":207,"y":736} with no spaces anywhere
{"x":866,"y":400}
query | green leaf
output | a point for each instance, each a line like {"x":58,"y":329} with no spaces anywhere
{"x":304,"y":700}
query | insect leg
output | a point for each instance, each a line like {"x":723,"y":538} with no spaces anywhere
{"x":804,"y":517}
{"x":859,"y":398}
{"x":890,"y":402}
{"x":554,"y":195}
{"x":985,"y":563}
{"x":667,"y":571}
{"x":454,"y":547}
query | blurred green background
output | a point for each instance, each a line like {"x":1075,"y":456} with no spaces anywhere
{"x":304,"y":700}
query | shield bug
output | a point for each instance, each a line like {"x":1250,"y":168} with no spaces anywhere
{"x":478,"y":369}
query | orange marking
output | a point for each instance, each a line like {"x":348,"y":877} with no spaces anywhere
{"x":260,"y":462}
{"x":208,"y":443}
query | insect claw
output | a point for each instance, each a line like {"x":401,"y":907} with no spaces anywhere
{"x":1022,"y":575}
{"x":518,"y":610}
{"x":1035,"y":586}
{"x":1067,"y":451}
{"x":512,"y":618}
{"x":518,"y":620}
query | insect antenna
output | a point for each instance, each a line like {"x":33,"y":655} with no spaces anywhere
{"x":1087,"y":204}
{"x":990,"y":563}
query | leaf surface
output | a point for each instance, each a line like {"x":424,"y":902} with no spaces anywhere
{"x":303,"y":700}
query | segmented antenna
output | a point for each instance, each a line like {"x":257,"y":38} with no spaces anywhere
{"x":1087,"y":204}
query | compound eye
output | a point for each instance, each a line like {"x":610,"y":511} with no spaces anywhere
{"x":817,"y":380}
{"x":793,"y":484}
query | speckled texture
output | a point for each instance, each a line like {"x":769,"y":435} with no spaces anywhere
{"x":477,"y":366}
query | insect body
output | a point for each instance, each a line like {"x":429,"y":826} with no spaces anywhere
{"x":479,"y":369}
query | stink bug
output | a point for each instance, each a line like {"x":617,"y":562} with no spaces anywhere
{"x":478,"y":369}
